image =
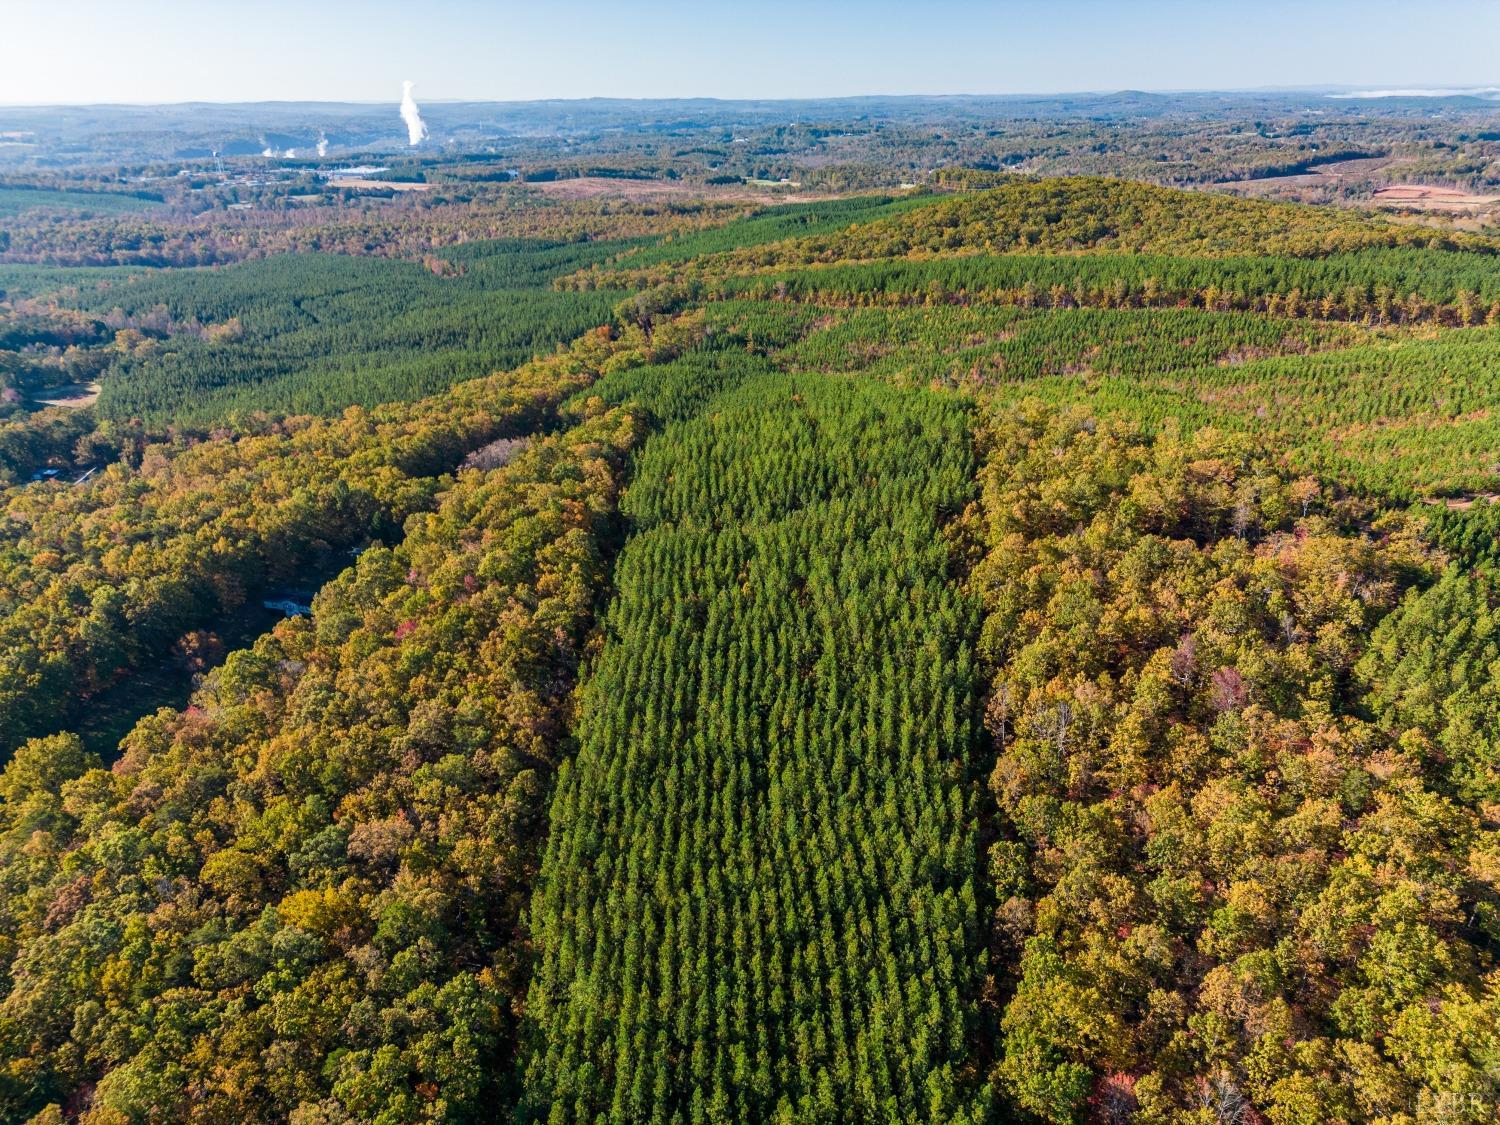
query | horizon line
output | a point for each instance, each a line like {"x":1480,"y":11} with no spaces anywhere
{"x":1350,"y":92}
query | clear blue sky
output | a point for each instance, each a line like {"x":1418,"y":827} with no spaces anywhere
{"x":359,"y":50}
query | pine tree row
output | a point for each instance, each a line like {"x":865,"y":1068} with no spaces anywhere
{"x":757,"y":899}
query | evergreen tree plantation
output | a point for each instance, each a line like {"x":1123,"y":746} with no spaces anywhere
{"x":612,"y":637}
{"x":758,"y":892}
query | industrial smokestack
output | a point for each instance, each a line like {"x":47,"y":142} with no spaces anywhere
{"x":416,"y":128}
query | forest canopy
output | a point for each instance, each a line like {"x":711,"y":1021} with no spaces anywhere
{"x":1011,"y":649}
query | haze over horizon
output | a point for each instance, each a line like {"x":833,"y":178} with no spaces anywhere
{"x":1337,"y":92}
{"x":170,"y":51}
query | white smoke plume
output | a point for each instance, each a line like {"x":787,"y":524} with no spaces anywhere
{"x":322,"y":144}
{"x":291,"y":154}
{"x":268,"y":151}
{"x":416,"y":128}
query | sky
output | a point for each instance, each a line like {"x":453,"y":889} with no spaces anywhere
{"x":83,"y":51}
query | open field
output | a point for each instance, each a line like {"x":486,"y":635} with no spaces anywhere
{"x":1332,"y":174}
{"x":377,"y":185}
{"x":1427,"y":198}
{"x":1462,"y":503}
{"x":594,"y":187}
{"x":1356,"y":182}
{"x":74,"y":396}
